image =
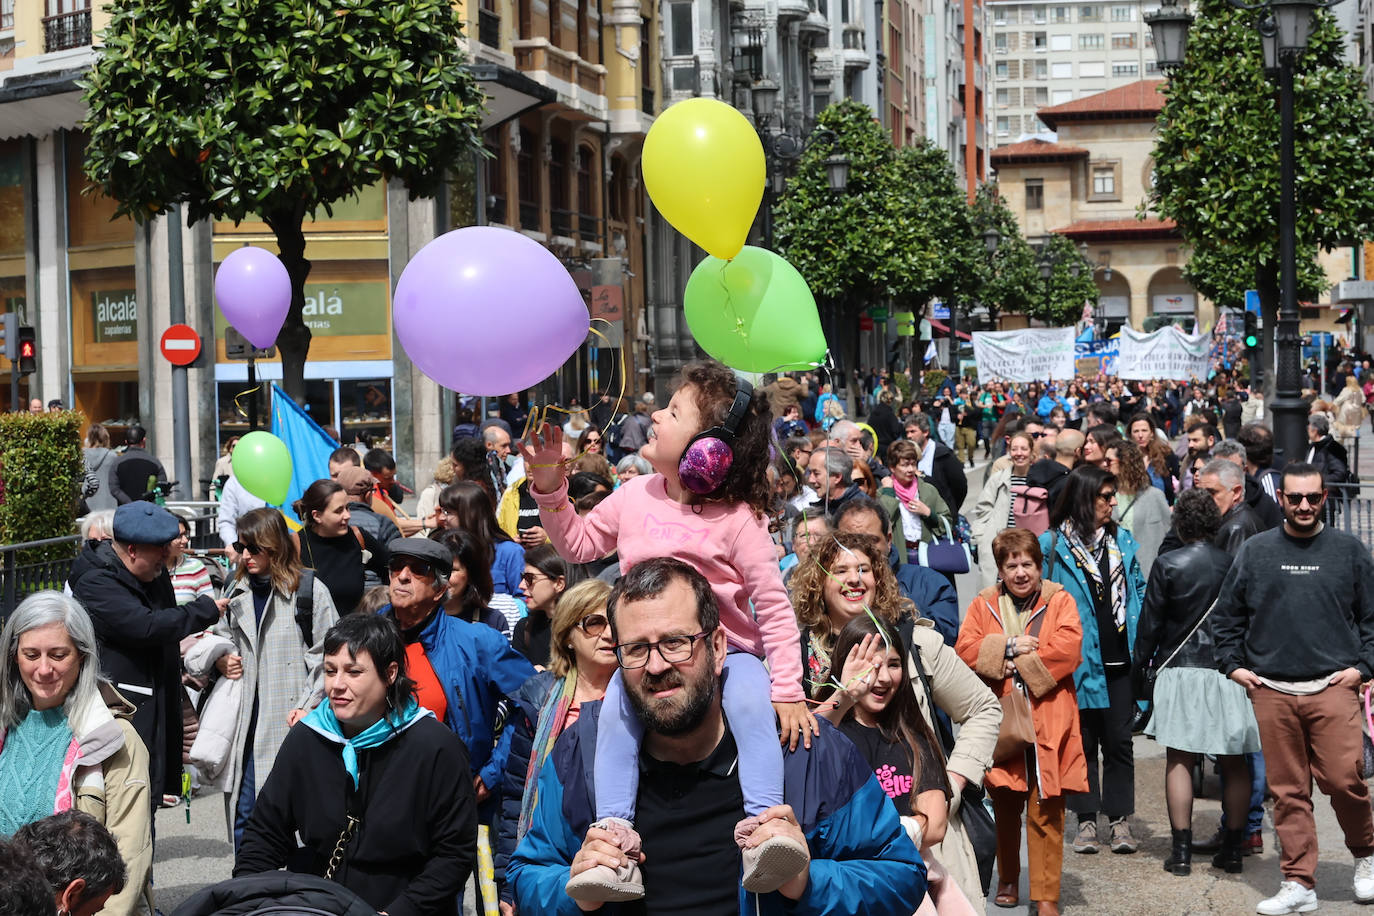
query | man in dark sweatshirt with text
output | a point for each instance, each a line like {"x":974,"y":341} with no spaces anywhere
{"x":1294,"y":625}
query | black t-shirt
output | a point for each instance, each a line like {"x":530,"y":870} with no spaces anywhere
{"x":686,"y":816}
{"x":531,"y":637}
{"x":527,"y":512}
{"x":891,"y":762}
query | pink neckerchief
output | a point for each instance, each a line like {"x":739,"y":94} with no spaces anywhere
{"x":908,"y":492}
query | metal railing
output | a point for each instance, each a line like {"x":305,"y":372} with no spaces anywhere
{"x":587,"y":227}
{"x":529,"y":216}
{"x":489,"y":28}
{"x":560,"y":222}
{"x":35,"y":566}
{"x":67,"y":30}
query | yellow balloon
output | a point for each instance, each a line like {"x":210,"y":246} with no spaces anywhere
{"x":704,"y":170}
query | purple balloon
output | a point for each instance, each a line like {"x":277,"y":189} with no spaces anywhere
{"x":254,"y":293}
{"x":488,"y":311}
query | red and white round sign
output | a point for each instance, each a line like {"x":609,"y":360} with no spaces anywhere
{"x":180,"y":344}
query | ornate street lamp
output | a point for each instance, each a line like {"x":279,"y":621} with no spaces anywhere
{"x":1284,"y":27}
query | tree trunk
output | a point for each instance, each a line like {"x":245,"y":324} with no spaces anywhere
{"x":294,"y":339}
{"x":1267,"y":283}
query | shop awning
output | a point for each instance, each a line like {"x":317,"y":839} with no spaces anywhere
{"x":941,"y":326}
{"x":510,"y":93}
{"x":35,"y":105}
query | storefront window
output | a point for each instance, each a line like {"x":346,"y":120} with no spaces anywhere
{"x":365,"y":405}
{"x":12,"y":238}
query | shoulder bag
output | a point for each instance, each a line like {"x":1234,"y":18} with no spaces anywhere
{"x":1017,"y":732}
{"x":947,"y":554}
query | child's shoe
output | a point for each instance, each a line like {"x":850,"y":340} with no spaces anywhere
{"x":772,"y":863}
{"x":603,"y":884}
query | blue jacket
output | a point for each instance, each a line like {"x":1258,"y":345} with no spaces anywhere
{"x":1048,"y":403}
{"x":861,"y":859}
{"x":933,"y":596}
{"x":528,"y":700}
{"x":1090,"y":680}
{"x":477,"y":668}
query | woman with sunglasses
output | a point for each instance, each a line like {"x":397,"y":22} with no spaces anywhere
{"x":275,"y":654}
{"x":581,"y":661}
{"x":591,"y":442}
{"x":545,"y":578}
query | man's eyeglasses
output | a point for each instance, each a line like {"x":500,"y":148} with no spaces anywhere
{"x":593,"y":624}
{"x":672,"y":649}
{"x":416,"y":567}
{"x":252,"y":549}
{"x":1312,"y":499}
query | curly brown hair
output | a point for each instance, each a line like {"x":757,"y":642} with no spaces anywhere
{"x":1131,"y":476}
{"x":808,"y":584}
{"x":715,"y":385}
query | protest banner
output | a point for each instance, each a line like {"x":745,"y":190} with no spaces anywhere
{"x":1164,"y":354}
{"x":1096,"y":357}
{"x":1027,"y":355}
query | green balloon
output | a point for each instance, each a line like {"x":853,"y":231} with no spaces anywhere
{"x":754,"y":313}
{"x":262,"y":463}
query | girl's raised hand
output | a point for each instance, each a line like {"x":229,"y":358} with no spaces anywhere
{"x":859,"y":666}
{"x":543,"y":454}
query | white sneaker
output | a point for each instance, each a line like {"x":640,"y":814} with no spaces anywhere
{"x":1291,"y":898}
{"x":1364,"y":879}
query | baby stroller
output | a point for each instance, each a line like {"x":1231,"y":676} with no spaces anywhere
{"x":279,"y":893}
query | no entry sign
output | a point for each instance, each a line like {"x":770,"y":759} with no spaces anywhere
{"x":180,"y":344}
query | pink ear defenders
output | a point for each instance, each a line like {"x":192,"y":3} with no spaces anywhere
{"x":706,"y":461}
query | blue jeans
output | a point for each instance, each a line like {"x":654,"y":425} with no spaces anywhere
{"x":745,"y":691}
{"x":243,"y":807}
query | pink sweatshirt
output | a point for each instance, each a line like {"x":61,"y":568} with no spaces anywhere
{"x":728,"y":544}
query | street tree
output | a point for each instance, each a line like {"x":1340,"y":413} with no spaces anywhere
{"x":899,"y":234}
{"x":274,"y":110}
{"x":1216,"y":158}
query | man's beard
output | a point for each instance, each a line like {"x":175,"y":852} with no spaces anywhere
{"x":1305,"y":528}
{"x":680,"y":714}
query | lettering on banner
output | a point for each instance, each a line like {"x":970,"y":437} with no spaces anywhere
{"x":1027,"y":355}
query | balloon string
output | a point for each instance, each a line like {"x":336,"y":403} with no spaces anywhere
{"x":539,"y":416}
{"x":242,"y":394}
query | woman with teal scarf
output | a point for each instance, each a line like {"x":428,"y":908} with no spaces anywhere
{"x":372,"y":784}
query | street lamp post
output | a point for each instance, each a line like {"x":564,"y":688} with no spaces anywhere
{"x":782,"y":148}
{"x":1284,"y":27}
{"x":1049,"y":260}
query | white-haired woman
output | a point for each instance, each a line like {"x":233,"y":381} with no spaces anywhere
{"x":631,"y":466}
{"x":66,"y":740}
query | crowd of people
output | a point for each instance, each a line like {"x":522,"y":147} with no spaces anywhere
{"x":710,"y":657}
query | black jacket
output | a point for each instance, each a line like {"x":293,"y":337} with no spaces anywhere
{"x":947,"y":476}
{"x":1049,"y":474}
{"x":1268,"y":511}
{"x":416,"y":840}
{"x":130,"y":475}
{"x":294,"y":893}
{"x":886,"y":426}
{"x":138,"y":627}
{"x":1237,"y":527}
{"x":1331,"y":459}
{"x":1182,"y":586}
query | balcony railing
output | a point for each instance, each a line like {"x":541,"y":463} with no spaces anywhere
{"x":560,"y":221}
{"x":496,"y":209}
{"x":68,"y":30}
{"x":529,"y":216}
{"x":489,"y":28}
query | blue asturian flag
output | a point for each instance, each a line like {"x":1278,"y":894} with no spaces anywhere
{"x":309,"y":445}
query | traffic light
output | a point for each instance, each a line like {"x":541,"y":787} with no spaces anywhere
{"x":9,"y":337}
{"x":28,"y":350}
{"x":1251,"y":330}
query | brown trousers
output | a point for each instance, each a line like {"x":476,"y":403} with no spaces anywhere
{"x":1313,"y":736}
{"x":1044,"y":839}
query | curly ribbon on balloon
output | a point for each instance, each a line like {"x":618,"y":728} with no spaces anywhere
{"x":539,"y":415}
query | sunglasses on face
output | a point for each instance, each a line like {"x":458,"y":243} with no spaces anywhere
{"x":1312,"y":499}
{"x":416,"y":567}
{"x":1107,"y":495}
{"x":251,"y":549}
{"x":531,"y":578}
{"x":593,"y":624}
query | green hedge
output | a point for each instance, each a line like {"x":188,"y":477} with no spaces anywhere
{"x":41,"y":469}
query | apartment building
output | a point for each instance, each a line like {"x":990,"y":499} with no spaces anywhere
{"x":1046,"y":54}
{"x":956,"y":57}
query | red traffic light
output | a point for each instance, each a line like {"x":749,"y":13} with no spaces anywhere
{"x":26,"y":350}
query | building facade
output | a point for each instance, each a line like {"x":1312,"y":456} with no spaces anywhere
{"x":1046,"y":54}
{"x":572,"y":86}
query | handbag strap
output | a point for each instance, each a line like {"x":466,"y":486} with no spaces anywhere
{"x":1179,"y":648}
{"x":946,"y":737}
{"x":345,"y":837}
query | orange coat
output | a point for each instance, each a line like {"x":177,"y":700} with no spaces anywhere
{"x":1048,"y":676}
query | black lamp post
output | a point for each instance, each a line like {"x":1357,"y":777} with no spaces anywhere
{"x":1049,"y":260}
{"x":781,"y":149}
{"x":1284,"y":27}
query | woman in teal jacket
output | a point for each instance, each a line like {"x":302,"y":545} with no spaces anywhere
{"x":1096,"y":563}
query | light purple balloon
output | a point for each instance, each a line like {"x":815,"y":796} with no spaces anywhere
{"x":488,"y":311}
{"x":253,"y":290}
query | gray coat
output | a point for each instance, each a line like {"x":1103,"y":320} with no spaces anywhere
{"x":278,"y":671}
{"x":100,"y":461}
{"x":1147,"y":517}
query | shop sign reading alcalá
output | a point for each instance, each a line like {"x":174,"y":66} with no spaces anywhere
{"x":114,"y":314}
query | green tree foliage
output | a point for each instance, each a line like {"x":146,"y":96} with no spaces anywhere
{"x":42,"y":469}
{"x":901,"y":232}
{"x":1217,"y":157}
{"x":274,"y":109}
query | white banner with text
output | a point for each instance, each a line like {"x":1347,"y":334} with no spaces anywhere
{"x":1027,"y":355}
{"x":1164,"y":354}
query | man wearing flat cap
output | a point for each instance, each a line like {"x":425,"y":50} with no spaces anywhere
{"x":125,"y":587}
{"x":461,"y":670}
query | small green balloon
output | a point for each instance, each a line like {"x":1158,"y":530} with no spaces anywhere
{"x":754,"y":313}
{"x":262,"y":463}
